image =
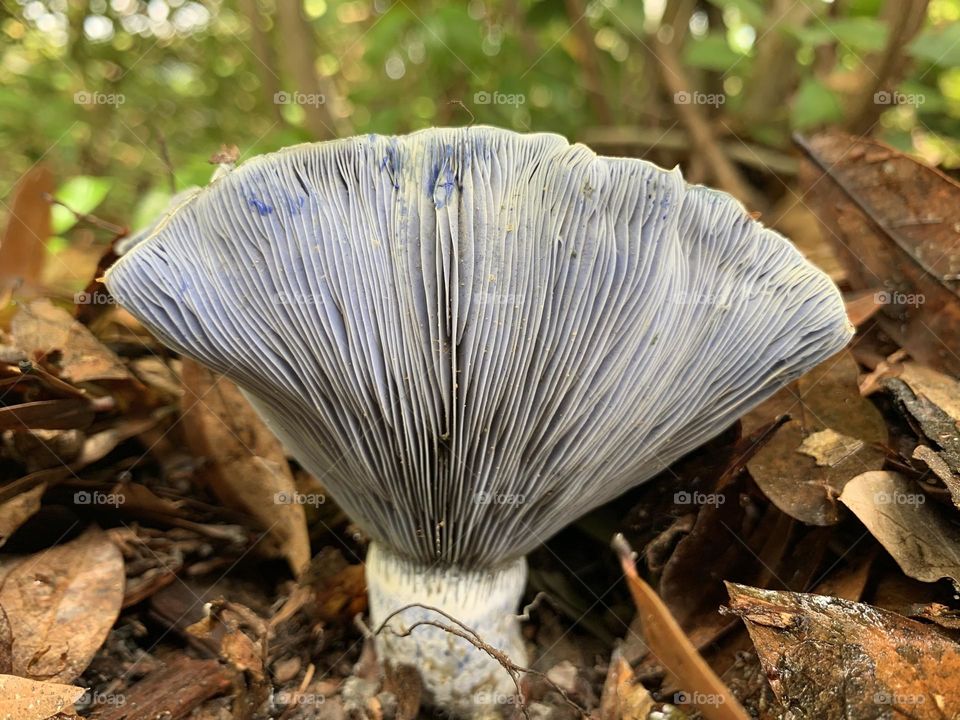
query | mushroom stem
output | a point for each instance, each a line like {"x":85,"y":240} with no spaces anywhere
{"x":457,"y":674}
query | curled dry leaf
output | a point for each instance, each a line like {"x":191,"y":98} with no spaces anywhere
{"x":25,"y":699}
{"x":679,"y":657}
{"x":834,"y":435}
{"x":247,"y":468}
{"x":831,"y":658}
{"x":925,"y":545}
{"x":894,"y":223}
{"x":61,"y":603}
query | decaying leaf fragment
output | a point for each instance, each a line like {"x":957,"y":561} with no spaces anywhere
{"x":832,"y":658}
{"x":925,"y":545}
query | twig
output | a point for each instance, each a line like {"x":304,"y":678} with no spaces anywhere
{"x":675,"y":82}
{"x":90,"y":219}
{"x":470,"y":635}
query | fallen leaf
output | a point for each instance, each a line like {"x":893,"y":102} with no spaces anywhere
{"x":894,"y":223}
{"x":23,"y":248}
{"x":41,"y":328}
{"x":61,"y":603}
{"x":831,"y":658}
{"x":16,"y":511}
{"x":667,"y":642}
{"x":834,"y":435}
{"x":25,"y":699}
{"x":247,"y":468}
{"x":925,"y":545}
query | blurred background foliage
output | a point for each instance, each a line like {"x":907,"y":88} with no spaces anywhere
{"x":126,"y":100}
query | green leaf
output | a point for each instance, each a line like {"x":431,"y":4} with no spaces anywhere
{"x":814,"y":104}
{"x":711,"y":53}
{"x":81,"y":194}
{"x":938,"y":46}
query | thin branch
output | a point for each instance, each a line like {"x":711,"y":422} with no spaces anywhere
{"x":470,"y":635}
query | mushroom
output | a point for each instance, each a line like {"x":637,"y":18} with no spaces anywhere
{"x":472,"y":337}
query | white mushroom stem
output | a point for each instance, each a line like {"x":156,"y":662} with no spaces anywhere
{"x":458,"y":675}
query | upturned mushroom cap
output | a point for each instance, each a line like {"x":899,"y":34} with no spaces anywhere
{"x":473,"y":336}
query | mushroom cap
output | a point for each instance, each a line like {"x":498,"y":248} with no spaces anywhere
{"x":473,"y":336}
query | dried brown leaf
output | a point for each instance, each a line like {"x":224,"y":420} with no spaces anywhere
{"x":25,"y":699}
{"x":925,"y":545}
{"x":41,"y":328}
{"x":247,"y":468}
{"x":23,"y":247}
{"x":832,"y":658}
{"x":61,"y":603}
{"x":893,"y":221}
{"x":671,"y":646}
{"x":834,"y":435}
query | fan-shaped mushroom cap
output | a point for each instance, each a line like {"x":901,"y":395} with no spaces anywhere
{"x":472,"y":336}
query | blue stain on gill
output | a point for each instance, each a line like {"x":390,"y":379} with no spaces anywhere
{"x":260,"y":206}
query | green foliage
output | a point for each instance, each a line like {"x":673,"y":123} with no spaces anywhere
{"x":128,"y":89}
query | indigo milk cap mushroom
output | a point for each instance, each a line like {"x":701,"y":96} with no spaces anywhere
{"x":472,"y":337}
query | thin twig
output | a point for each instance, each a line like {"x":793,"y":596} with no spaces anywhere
{"x":84,"y":217}
{"x":470,"y":635}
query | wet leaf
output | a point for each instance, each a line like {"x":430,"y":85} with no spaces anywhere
{"x":61,"y":603}
{"x":24,"y":699}
{"x":893,"y":221}
{"x":247,"y":468}
{"x":925,"y":545}
{"x":831,"y":658}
